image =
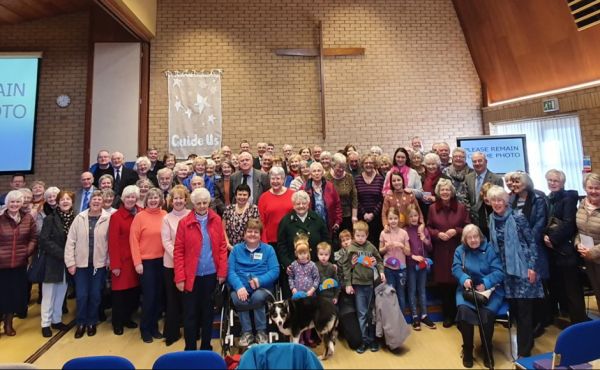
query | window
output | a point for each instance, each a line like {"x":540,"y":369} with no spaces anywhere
{"x":553,"y":142}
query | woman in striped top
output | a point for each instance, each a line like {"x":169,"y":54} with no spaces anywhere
{"x":370,"y":201}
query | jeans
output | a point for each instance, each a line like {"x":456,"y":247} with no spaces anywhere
{"x":416,"y":285}
{"x":397,"y":279}
{"x":256,"y":304}
{"x":362,"y":296}
{"x":88,"y":288}
{"x":152,"y":286}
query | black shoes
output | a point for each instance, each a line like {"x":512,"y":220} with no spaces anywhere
{"x":157,"y":335}
{"x":60,"y":326}
{"x":448,"y":322}
{"x":80,"y":331}
{"x":91,"y":330}
{"x":427,"y":321}
{"x":118,"y":330}
{"x":46,"y":332}
{"x":467,"y":357}
{"x":487,"y":363}
{"x":130,"y":324}
{"x":170,"y":341}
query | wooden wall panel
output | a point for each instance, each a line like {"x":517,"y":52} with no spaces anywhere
{"x":521,"y":47}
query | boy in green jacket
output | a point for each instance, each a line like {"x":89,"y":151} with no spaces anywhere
{"x":360,"y":272}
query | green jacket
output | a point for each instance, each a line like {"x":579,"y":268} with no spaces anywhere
{"x":290,"y":227}
{"x":359,"y":274}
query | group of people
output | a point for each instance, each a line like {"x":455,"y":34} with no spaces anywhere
{"x":315,"y":222}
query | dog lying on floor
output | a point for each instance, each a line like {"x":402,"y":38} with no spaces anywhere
{"x":292,"y":317}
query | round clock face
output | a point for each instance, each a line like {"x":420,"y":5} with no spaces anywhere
{"x":63,"y":101}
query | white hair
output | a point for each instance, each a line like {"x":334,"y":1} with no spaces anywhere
{"x":143,"y":159}
{"x":300,"y":196}
{"x":14,"y":195}
{"x":199,"y":195}
{"x":131,"y":189}
{"x":276,"y":171}
{"x":432,"y":157}
{"x":53,"y":190}
{"x":339,"y":159}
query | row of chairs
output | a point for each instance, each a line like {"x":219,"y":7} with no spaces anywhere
{"x":260,"y":356}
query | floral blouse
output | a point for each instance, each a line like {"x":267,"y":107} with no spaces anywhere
{"x":235,"y":223}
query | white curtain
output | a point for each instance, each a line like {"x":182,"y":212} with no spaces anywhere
{"x":553,"y":142}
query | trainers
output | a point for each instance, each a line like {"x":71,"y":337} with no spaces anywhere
{"x":427,"y":321}
{"x":362,"y":349}
{"x":246,"y":339}
{"x":416,"y":324}
{"x":374,"y":347}
{"x":261,"y":337}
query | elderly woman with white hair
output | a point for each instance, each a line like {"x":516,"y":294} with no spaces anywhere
{"x":326,"y":159}
{"x":200,"y":262}
{"x":301,"y":220}
{"x":18,"y":240}
{"x":512,"y":238}
{"x":343,"y":181}
{"x":565,"y":281}
{"x":273,"y":205}
{"x":588,"y":226}
{"x":180,"y":173}
{"x":447,"y":217}
{"x":324,"y":198}
{"x":142,"y":167}
{"x":147,"y":252}
{"x":50,"y":201}
{"x":433,"y":174}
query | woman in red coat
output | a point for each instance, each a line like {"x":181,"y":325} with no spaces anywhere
{"x":200,"y":261}
{"x":447,"y":217}
{"x":125,"y":280}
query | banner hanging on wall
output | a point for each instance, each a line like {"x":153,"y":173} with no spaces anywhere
{"x":194,"y":113}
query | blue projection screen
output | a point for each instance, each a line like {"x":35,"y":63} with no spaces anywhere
{"x":505,"y":153}
{"x":18,"y":99}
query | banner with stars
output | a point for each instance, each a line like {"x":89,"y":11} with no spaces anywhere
{"x":194,"y":113}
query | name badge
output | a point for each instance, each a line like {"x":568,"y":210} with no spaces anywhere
{"x":257,"y":256}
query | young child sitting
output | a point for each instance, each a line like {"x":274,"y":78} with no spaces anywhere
{"x":359,"y":275}
{"x":420,"y":245}
{"x":394,"y":247}
{"x":328,"y":280}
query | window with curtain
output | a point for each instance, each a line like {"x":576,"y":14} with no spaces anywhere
{"x":553,"y":142}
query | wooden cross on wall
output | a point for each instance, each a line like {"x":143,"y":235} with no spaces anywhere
{"x":321,"y":52}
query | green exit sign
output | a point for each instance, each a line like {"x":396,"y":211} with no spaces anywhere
{"x":550,"y":105}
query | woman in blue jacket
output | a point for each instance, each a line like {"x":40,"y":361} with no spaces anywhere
{"x":477,"y":266}
{"x":253,"y":270}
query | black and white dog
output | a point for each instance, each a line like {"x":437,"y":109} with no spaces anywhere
{"x":292,"y":317}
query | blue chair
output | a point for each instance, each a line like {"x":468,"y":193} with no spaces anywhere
{"x":98,"y":362}
{"x":575,"y":345}
{"x":189,"y":360}
{"x":279,"y":356}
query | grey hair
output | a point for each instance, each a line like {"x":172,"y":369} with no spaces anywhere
{"x":131,"y":189}
{"x":140,"y":182}
{"x":107,"y":193}
{"x":432,"y":157}
{"x":523,"y":178}
{"x":163,"y":171}
{"x":339,"y":159}
{"x":25,"y":191}
{"x":560,"y":174}
{"x":210,"y":162}
{"x":300,"y":196}
{"x":445,"y":183}
{"x":179,"y":166}
{"x":469,"y":229}
{"x":143,"y":159}
{"x":53,"y":190}
{"x":106,"y":176}
{"x":325,"y":154}
{"x":508,"y":176}
{"x":199,"y":195}
{"x":479,"y":153}
{"x":497,"y":193}
{"x":376,"y":150}
{"x":276,"y":171}
{"x":14,"y":195}
{"x":459,"y":150}
{"x":315,"y":165}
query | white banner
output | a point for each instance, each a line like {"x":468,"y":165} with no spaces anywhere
{"x":194,"y":113}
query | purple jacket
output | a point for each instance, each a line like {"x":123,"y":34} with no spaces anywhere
{"x":303,"y":276}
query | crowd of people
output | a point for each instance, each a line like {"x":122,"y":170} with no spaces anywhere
{"x":315,"y":222}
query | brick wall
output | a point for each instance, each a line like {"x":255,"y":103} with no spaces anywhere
{"x":416,"y":78}
{"x":59,"y":132}
{"x":585,"y":103}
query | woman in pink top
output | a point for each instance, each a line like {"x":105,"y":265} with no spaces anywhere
{"x":273,"y":205}
{"x":147,"y":254}
{"x":394,"y":247}
{"x":179,"y":196}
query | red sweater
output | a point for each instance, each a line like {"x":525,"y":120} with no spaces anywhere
{"x":188,"y":246}
{"x":271,"y":209}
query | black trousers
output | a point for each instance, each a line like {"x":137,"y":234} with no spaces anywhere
{"x":152,"y":287}
{"x":198,"y":311}
{"x":174,"y":307}
{"x":542,"y":307}
{"x":521,"y":310}
{"x":566,"y":291}
{"x":486,"y":332}
{"x":284,"y":284}
{"x":448,"y":297}
{"x":124,"y":304}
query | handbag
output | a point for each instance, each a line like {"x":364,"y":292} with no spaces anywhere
{"x":477,"y":298}
{"x":36,"y":271}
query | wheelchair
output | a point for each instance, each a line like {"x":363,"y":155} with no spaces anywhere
{"x":230,"y":327}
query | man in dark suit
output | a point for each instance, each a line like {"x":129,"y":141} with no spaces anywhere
{"x":123,"y":176}
{"x":257,"y":180}
{"x":155,"y":164}
{"x":475,"y":180}
{"x":83,"y":195}
{"x":261,"y":148}
{"x":103,"y":166}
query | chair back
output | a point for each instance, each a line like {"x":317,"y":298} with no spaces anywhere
{"x":279,"y":356}
{"x":189,"y":360}
{"x":98,"y":362}
{"x":578,"y":344}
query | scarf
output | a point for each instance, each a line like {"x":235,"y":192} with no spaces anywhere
{"x":431,"y":180}
{"x":513,"y":252}
{"x":66,"y":218}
